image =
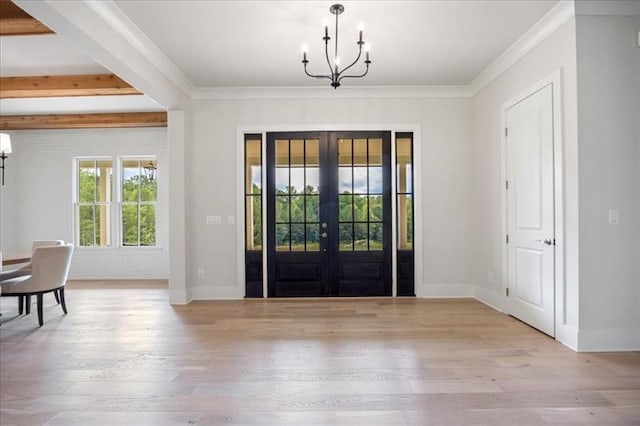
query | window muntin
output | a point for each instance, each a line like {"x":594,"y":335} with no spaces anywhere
{"x":94,"y":180}
{"x":139,"y":192}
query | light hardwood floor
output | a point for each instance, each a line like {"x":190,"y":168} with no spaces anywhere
{"x":123,"y":355}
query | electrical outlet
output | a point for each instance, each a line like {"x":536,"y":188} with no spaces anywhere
{"x":200,"y":273}
{"x":614,"y":216}
{"x":490,"y":276}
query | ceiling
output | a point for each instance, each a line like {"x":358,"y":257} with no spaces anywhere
{"x":250,"y":44}
{"x":258,"y":43}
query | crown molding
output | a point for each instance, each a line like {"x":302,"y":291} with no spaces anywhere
{"x":549,"y":23}
{"x":327,"y":92}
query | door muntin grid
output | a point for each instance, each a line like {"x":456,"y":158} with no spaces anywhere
{"x":297,"y":195}
{"x":360,"y":194}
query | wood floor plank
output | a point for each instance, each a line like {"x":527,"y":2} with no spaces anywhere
{"x":124,"y":355}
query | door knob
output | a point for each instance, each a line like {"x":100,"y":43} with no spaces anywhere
{"x":547,"y":241}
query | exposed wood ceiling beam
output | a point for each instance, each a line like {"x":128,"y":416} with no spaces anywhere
{"x":64,"y":85}
{"x":15,"y":21}
{"x":83,"y":121}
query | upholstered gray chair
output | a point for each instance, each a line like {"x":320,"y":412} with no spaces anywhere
{"x":50,"y":268}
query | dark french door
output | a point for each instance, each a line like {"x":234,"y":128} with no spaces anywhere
{"x":329,"y":214}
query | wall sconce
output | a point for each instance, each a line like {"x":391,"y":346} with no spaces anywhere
{"x":5,"y":148}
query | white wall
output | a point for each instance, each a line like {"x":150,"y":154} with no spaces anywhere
{"x":39,"y":204}
{"x":556,"y":52}
{"x":446,"y":184}
{"x":609,"y":172}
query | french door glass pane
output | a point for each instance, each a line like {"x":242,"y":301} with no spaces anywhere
{"x":375,"y":236}
{"x":360,"y":208}
{"x":297,"y":208}
{"x":282,"y":153}
{"x":312,"y":208}
{"x":375,"y":180}
{"x":282,"y":208}
{"x":345,"y":180}
{"x":282,"y":237}
{"x":313,"y":237}
{"x":375,"y":152}
{"x":297,"y":153}
{"x":346,"y":236}
{"x":282,"y":180}
{"x":297,"y":180}
{"x":346,"y":208}
{"x":297,"y":236}
{"x":312,"y":183}
{"x":359,"y":152}
{"x":312,"y":152}
{"x":360,"y":180}
{"x":375,"y":208}
{"x":361,"y":237}
{"x":345,"y":151}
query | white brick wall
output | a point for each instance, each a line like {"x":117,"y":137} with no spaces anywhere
{"x":37,"y":197}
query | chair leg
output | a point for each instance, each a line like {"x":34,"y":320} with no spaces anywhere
{"x":62,"y":301}
{"x":40,"y":313}
{"x":27,"y":308}
{"x":55,"y":294}
{"x":20,"y":305}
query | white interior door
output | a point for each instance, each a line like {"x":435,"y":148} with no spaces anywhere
{"x":530,"y":210}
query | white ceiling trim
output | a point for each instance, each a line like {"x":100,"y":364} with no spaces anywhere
{"x":328,"y":92}
{"x":121,"y":24}
{"x":79,"y":23}
{"x":549,"y":23}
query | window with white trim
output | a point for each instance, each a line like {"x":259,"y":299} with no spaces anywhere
{"x":93,"y":202}
{"x":139,"y":195}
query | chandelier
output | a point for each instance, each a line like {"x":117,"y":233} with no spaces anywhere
{"x":337,"y":74}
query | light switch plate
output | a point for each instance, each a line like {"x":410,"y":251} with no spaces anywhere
{"x":214,"y":220}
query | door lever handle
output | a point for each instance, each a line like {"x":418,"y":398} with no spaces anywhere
{"x":547,"y":241}
{"x":324,"y":235}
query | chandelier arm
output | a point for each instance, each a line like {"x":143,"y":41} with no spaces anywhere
{"x":316,"y":75}
{"x":354,"y":76}
{"x":326,"y":52}
{"x":354,"y":62}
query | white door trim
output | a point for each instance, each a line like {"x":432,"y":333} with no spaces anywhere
{"x":241,"y":130}
{"x":555,"y":79}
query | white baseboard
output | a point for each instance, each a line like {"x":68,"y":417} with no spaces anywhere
{"x":445,"y":291}
{"x":490,"y":298}
{"x":217,"y":293}
{"x":609,"y":340}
